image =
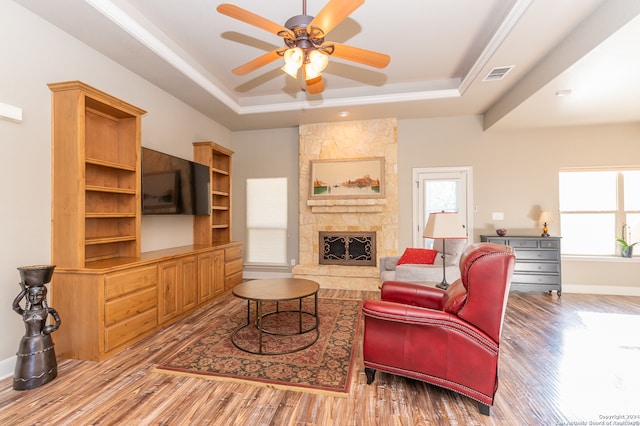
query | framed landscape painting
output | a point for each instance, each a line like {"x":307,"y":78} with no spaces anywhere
{"x":349,"y":178}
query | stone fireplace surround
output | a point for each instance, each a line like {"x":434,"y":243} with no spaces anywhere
{"x":347,"y":140}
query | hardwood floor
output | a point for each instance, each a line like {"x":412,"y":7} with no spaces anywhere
{"x":569,"y":359}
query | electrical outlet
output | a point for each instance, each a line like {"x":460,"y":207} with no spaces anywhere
{"x":293,"y":262}
{"x":497,"y":216}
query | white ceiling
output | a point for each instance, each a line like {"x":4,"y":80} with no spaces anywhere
{"x":440,"y":52}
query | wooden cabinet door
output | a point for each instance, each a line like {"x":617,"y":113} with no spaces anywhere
{"x":218,"y":272}
{"x":205,"y":277}
{"x":169,"y":290}
{"x":210,"y":275}
{"x":189,"y":280}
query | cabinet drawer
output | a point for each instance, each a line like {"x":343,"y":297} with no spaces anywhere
{"x":539,"y":267}
{"x":522,"y":243}
{"x":231,"y":281}
{"x":535,"y":279}
{"x":537,"y":255}
{"x":233,"y":253}
{"x":495,"y":240}
{"x":128,"y":330}
{"x":233,"y":267}
{"x":550,"y":244}
{"x":119,"y":309}
{"x":120,"y":283}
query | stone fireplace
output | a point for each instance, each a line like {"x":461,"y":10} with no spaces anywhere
{"x":339,"y":141}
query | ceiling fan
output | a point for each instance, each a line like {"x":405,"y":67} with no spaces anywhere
{"x":306,"y":51}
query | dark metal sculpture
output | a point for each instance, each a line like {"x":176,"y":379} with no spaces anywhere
{"x":36,"y":363}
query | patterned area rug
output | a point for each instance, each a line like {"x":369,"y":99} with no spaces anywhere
{"x":324,"y":367}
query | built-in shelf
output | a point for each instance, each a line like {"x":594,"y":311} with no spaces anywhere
{"x":109,"y":215}
{"x":103,"y":163}
{"x":110,"y":189}
{"x":220,"y":172}
{"x":96,"y":169}
{"x":109,"y":240}
{"x":215,"y":228}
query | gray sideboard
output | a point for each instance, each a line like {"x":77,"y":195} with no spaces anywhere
{"x":537,"y":262}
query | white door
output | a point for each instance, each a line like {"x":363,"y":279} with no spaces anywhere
{"x":441,"y":189}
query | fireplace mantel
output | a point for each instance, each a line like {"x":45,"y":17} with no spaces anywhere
{"x":355,"y":205}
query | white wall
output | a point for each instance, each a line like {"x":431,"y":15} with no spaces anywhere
{"x":266,"y":154}
{"x":35,"y":53}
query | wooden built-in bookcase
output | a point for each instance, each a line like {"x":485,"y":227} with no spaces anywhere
{"x":96,"y":176}
{"x":110,"y":295}
{"x":215,"y":228}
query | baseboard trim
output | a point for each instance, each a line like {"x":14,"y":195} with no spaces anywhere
{"x":6,"y":367}
{"x":258,"y":275}
{"x":603,"y":290}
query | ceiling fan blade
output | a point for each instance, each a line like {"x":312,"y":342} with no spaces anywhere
{"x":332,"y":14}
{"x":355,"y":54}
{"x":251,"y":18}
{"x":315,"y":85}
{"x":260,"y":61}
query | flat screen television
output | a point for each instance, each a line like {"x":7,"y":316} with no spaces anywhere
{"x":173,"y":185}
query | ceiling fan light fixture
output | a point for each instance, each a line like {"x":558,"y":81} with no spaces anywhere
{"x":304,"y":36}
{"x":292,"y":71}
{"x":293,"y":59}
{"x":318,"y":61}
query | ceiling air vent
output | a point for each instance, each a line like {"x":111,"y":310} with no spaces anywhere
{"x":497,"y":73}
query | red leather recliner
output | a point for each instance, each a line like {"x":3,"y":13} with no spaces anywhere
{"x":450,"y":338}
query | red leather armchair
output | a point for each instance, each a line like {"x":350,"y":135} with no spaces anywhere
{"x":449,"y":338}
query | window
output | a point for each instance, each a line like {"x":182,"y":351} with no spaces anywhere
{"x":267,"y":221}
{"x":595,"y":206}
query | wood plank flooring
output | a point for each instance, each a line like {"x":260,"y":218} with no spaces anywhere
{"x":570,"y":359}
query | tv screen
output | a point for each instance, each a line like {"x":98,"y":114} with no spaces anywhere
{"x":173,"y":185}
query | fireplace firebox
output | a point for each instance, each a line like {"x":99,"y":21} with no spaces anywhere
{"x":347,"y":248}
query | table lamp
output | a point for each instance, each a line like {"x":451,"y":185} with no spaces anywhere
{"x":545,"y":217}
{"x":444,"y":226}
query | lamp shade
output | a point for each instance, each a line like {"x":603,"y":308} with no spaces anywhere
{"x":545,"y":217}
{"x":444,"y":225}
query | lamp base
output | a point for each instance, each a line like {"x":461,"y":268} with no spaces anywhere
{"x":545,"y":230}
{"x":443,"y":285}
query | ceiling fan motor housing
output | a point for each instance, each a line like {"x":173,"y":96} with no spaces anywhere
{"x":298,"y":24}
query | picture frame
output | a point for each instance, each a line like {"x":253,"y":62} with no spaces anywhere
{"x":347,"y":178}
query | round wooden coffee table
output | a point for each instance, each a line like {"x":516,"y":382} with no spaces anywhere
{"x":277,"y":290}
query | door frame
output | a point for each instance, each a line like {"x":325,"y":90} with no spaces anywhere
{"x":467,"y":171}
